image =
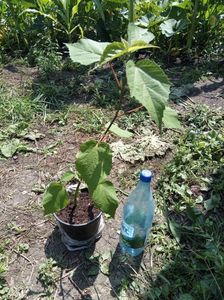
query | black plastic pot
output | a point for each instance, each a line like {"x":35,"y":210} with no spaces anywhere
{"x":81,"y":232}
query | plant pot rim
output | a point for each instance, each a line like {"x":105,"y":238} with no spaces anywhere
{"x":77,"y":225}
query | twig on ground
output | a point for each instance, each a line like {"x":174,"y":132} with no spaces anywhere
{"x":122,"y":192}
{"x":87,"y":280}
{"x":113,"y":289}
{"x":77,"y":287}
{"x":55,"y":294}
{"x":23,"y":256}
{"x":31,"y":275}
{"x":190,"y":99}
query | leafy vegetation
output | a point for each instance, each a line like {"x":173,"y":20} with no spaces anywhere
{"x":178,"y":26}
{"x":191,"y":188}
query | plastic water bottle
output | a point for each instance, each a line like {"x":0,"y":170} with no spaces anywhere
{"x":137,"y":216}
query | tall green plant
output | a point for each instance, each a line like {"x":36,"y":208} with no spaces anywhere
{"x":193,"y":24}
{"x":62,"y":14}
{"x":146,"y":82}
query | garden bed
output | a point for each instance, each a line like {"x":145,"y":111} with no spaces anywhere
{"x":37,"y":263}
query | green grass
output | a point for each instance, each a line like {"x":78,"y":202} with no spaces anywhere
{"x":15,"y":108}
{"x":190,"y":248}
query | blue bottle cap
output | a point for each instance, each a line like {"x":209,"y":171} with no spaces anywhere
{"x":145,"y":175}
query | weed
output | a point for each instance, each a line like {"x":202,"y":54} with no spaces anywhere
{"x":45,"y":54}
{"x":88,"y":119}
{"x":23,"y":247}
{"x":16,"y":109}
{"x":47,"y":273}
{"x":14,"y":228}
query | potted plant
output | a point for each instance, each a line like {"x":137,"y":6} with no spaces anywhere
{"x":149,"y":85}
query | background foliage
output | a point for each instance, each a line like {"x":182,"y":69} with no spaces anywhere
{"x":196,"y":26}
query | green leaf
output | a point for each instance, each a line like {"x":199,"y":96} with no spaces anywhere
{"x":68,"y":176}
{"x":185,"y":297}
{"x":106,"y":255}
{"x":8,"y":149}
{"x":23,"y":247}
{"x":212,"y":202}
{"x":55,"y":198}
{"x":105,"y":198}
{"x":75,"y":8}
{"x":119,"y":132}
{"x":175,"y":230}
{"x":105,"y":268}
{"x":86,"y":51}
{"x":150,"y":86}
{"x":94,"y":162}
{"x":172,"y":26}
{"x":118,"y":49}
{"x":35,"y":11}
{"x":136,"y":33}
{"x":167,"y":27}
{"x":170,"y":118}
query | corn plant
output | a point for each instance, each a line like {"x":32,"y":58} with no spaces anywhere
{"x":62,"y":14}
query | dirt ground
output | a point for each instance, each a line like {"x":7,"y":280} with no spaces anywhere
{"x":22,"y":220}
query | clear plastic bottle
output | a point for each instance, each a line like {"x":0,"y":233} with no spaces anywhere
{"x":137,"y":216}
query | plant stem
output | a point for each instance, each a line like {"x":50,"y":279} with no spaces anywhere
{"x":75,"y":202}
{"x":193,"y":23}
{"x":76,"y":192}
{"x":108,"y":128}
{"x":131,"y":11}
{"x":115,"y":77}
{"x":121,"y":88}
{"x":130,"y":111}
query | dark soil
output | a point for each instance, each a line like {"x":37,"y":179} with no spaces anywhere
{"x":81,"y":213}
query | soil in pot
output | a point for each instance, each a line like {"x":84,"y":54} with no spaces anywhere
{"x":81,"y":213}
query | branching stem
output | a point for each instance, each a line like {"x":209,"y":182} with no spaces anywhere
{"x":121,"y":88}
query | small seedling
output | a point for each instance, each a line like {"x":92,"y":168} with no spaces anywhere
{"x":23,"y":248}
{"x":47,"y":273}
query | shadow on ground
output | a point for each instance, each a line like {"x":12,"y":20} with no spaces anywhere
{"x":76,"y":86}
{"x":86,"y":266}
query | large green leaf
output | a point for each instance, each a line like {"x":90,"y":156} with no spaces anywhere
{"x":86,"y":51}
{"x":167,"y":27}
{"x":119,"y":132}
{"x":170,"y":118}
{"x":175,"y":230}
{"x":35,"y":11}
{"x":118,"y":49}
{"x":105,"y":197}
{"x":150,"y":86}
{"x":55,"y":198}
{"x":94,"y":162}
{"x":172,"y":26}
{"x":136,"y":33}
{"x":68,"y":176}
{"x":8,"y":149}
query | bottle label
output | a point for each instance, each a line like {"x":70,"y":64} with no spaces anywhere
{"x":127,"y":230}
